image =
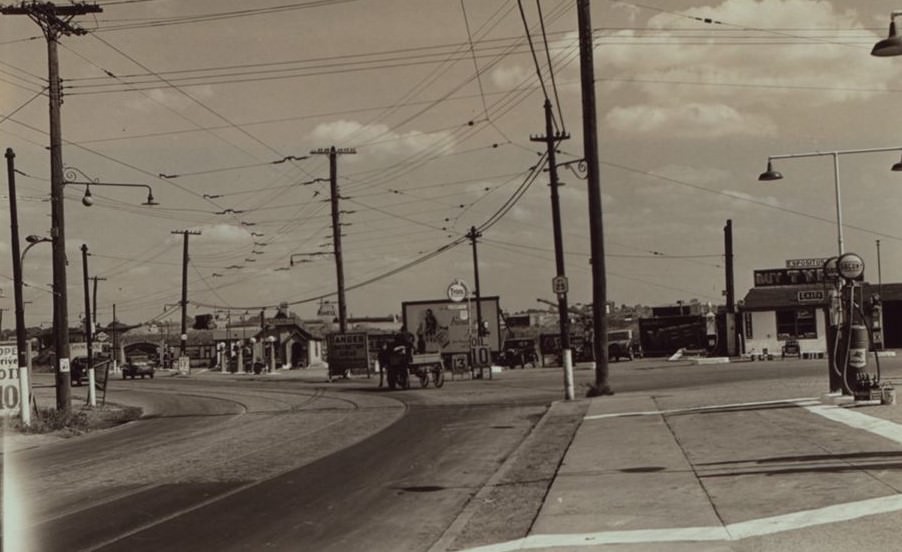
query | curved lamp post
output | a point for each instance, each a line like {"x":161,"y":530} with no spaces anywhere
{"x":891,"y":45}
{"x":72,"y":173}
{"x":770,"y":174}
{"x":33,"y":240}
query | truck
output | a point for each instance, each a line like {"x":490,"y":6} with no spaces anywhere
{"x":621,"y":345}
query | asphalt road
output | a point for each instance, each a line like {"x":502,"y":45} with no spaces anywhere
{"x":244,"y":463}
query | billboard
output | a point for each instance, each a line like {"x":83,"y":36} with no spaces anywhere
{"x":445,"y":326}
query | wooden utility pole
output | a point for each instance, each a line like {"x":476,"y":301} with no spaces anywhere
{"x":183,"y":336}
{"x":94,"y":297}
{"x":55,"y":21}
{"x":473,"y":234}
{"x":333,"y":154}
{"x":729,"y":292}
{"x":596,"y":232}
{"x":21,"y":337}
{"x":551,"y":140}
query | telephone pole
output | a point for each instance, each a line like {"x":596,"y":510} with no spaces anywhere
{"x":333,"y":154}
{"x":183,"y":336}
{"x":473,"y":234}
{"x":551,"y":140}
{"x":596,"y":229}
{"x":94,"y":310}
{"x":55,"y":21}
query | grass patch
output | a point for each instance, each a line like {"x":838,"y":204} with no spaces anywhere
{"x":76,"y":422}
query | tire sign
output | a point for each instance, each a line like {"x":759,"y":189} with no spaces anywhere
{"x":9,"y":381}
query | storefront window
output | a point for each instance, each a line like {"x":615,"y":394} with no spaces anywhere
{"x":796,"y":324}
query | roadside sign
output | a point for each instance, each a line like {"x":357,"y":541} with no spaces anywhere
{"x":10,"y":393}
{"x":482,"y":356}
{"x":560,"y":285}
{"x":850,"y":266}
{"x":185,"y":365}
{"x":457,"y":291}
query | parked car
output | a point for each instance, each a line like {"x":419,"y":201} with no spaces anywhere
{"x":78,"y":370}
{"x":137,"y":366}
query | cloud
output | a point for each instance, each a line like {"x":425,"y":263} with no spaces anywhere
{"x":691,"y":120}
{"x":509,"y":76}
{"x":218,"y":234}
{"x":716,"y":79}
{"x":379,"y":138}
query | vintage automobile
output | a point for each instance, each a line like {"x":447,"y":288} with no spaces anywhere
{"x":137,"y":366}
{"x":620,"y":344}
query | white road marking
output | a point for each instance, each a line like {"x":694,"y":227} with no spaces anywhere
{"x":742,"y":530}
{"x":731,"y":532}
{"x":878,"y":426}
{"x":800,"y":402}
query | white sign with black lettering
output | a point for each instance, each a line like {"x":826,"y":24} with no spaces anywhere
{"x":10,"y":402}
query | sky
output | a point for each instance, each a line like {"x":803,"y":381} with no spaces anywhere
{"x":216,"y":105}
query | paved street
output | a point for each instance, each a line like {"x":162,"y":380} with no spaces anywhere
{"x":743,"y":456}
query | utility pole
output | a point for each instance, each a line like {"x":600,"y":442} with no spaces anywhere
{"x":55,"y":22}
{"x":89,"y":327}
{"x":730,"y":291}
{"x":551,"y":140}
{"x":473,"y":234}
{"x":94,"y":310}
{"x":183,"y":337}
{"x":333,"y":154}
{"x":21,"y":338}
{"x":596,"y":232}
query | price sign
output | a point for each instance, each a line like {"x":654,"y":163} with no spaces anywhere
{"x":9,"y":380}
{"x":482,"y":356}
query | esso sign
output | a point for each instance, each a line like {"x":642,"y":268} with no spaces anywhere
{"x":850,"y":266}
{"x":458,"y":291}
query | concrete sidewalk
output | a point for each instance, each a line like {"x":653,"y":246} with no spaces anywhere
{"x":687,"y":472}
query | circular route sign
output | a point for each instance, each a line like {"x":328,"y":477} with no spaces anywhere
{"x":458,"y":291}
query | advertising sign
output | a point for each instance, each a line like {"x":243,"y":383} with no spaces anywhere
{"x":447,"y":326}
{"x":771,"y":277}
{"x":348,"y":353}
{"x":815,"y":262}
{"x":10,"y":402}
{"x":811,"y":296}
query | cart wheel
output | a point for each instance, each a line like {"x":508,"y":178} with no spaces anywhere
{"x":438,"y":377}
{"x":424,"y":378}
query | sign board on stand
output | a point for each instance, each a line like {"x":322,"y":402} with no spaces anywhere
{"x":348,"y":353}
{"x":185,"y":365}
{"x":10,"y":373}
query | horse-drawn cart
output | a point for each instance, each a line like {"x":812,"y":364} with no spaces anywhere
{"x":402,"y":367}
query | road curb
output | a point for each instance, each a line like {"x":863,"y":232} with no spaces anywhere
{"x":476,"y":502}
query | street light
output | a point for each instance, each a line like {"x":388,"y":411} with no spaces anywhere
{"x":891,"y":45}
{"x":32,"y":240}
{"x":770,"y":175}
{"x":72,"y":173}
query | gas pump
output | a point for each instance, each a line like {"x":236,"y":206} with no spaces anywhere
{"x":854,"y":337}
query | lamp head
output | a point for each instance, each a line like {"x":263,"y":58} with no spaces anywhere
{"x":897,"y":167}
{"x":150,"y":199}
{"x":34,"y":238}
{"x":770,"y":173}
{"x":889,"y":46}
{"x":88,"y":199}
